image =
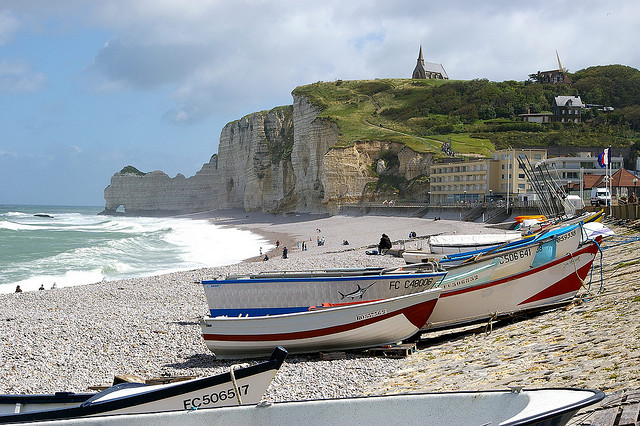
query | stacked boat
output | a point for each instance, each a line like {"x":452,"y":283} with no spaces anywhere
{"x":339,"y":309}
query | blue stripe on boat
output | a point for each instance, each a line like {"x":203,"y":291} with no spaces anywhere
{"x":256,"y":312}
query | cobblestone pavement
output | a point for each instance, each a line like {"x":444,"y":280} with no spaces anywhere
{"x":592,"y":343}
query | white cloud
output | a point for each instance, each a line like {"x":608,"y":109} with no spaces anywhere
{"x":8,"y":26}
{"x":219,"y":57}
{"x":16,"y":76}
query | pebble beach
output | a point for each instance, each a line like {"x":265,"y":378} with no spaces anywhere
{"x":71,"y":338}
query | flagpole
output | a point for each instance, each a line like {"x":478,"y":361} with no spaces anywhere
{"x":610,"y":183}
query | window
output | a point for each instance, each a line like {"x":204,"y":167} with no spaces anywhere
{"x":520,"y":175}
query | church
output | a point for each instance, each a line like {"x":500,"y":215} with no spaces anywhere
{"x":428,"y":70}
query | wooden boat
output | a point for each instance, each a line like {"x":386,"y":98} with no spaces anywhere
{"x":545,"y":285}
{"x":237,"y":387}
{"x":349,"y":326}
{"x":510,"y":407}
{"x":295,"y":291}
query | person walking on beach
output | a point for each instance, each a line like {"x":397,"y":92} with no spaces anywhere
{"x":284,"y":252}
{"x":277,"y":243}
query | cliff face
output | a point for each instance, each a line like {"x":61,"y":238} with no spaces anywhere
{"x":283,"y":160}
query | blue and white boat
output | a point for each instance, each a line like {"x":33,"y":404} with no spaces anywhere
{"x":288,"y":292}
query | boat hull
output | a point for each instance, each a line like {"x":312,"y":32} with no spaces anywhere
{"x":447,"y":244}
{"x":353,"y":326}
{"x":545,"y":285}
{"x":527,"y":407}
{"x":281,"y":295}
{"x":245,"y":386}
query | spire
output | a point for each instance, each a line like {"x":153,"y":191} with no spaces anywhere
{"x":559,"y":63}
{"x":420,"y":58}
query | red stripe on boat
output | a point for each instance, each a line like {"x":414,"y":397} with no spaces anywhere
{"x":417,"y":314}
{"x":567,"y":285}
{"x":590,"y":248}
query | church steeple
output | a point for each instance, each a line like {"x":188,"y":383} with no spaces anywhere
{"x":419,"y":71}
{"x":428,"y":69}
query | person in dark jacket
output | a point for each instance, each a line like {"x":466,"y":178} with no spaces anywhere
{"x":384,"y":244}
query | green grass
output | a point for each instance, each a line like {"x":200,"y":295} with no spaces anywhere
{"x":354,"y":106}
{"x":421,"y":114}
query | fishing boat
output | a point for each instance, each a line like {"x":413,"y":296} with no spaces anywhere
{"x":237,"y":387}
{"x":515,"y":407}
{"x":444,"y":244}
{"x":541,"y":286}
{"x":295,"y":291}
{"x":346,"y":326}
{"x":553,"y":242}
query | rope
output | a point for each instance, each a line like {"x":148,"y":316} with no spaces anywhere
{"x":489,"y":327}
{"x":585,"y":298}
{"x":235,"y":385}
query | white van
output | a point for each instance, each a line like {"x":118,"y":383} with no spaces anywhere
{"x":600,"y":196}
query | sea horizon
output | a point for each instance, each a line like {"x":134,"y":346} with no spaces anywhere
{"x":61,"y":245}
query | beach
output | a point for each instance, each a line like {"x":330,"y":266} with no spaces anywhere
{"x":68,"y":339}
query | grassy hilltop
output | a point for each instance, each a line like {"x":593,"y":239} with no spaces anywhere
{"x":479,"y":116}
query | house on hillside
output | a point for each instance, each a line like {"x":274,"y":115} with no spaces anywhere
{"x":558,"y":76}
{"x":539,"y":117}
{"x":428,"y":70}
{"x":567,"y":109}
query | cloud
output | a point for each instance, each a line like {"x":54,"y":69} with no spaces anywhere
{"x":8,"y":26}
{"x":16,"y":76}
{"x":221,"y":57}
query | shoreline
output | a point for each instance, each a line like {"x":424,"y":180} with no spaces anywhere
{"x":71,"y":338}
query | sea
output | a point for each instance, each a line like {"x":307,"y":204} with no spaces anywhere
{"x":60,"y":246}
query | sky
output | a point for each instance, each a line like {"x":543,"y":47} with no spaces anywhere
{"x":89,"y":87}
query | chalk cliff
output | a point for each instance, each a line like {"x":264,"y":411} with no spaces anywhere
{"x":282,"y":160}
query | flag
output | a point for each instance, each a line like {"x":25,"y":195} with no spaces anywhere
{"x":605,"y":158}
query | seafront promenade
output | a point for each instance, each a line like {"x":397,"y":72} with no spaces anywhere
{"x":71,"y":338}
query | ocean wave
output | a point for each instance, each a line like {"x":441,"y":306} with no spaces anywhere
{"x":78,"y":249}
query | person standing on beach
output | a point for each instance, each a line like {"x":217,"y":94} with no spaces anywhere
{"x":277,"y":243}
{"x":284,"y":252}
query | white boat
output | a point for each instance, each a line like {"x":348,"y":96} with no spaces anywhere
{"x":445,"y":244}
{"x":508,"y":408}
{"x":493,"y":265}
{"x":545,"y":285}
{"x":349,"y":326}
{"x":555,"y":242}
{"x":295,"y":291}
{"x":237,"y":387}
